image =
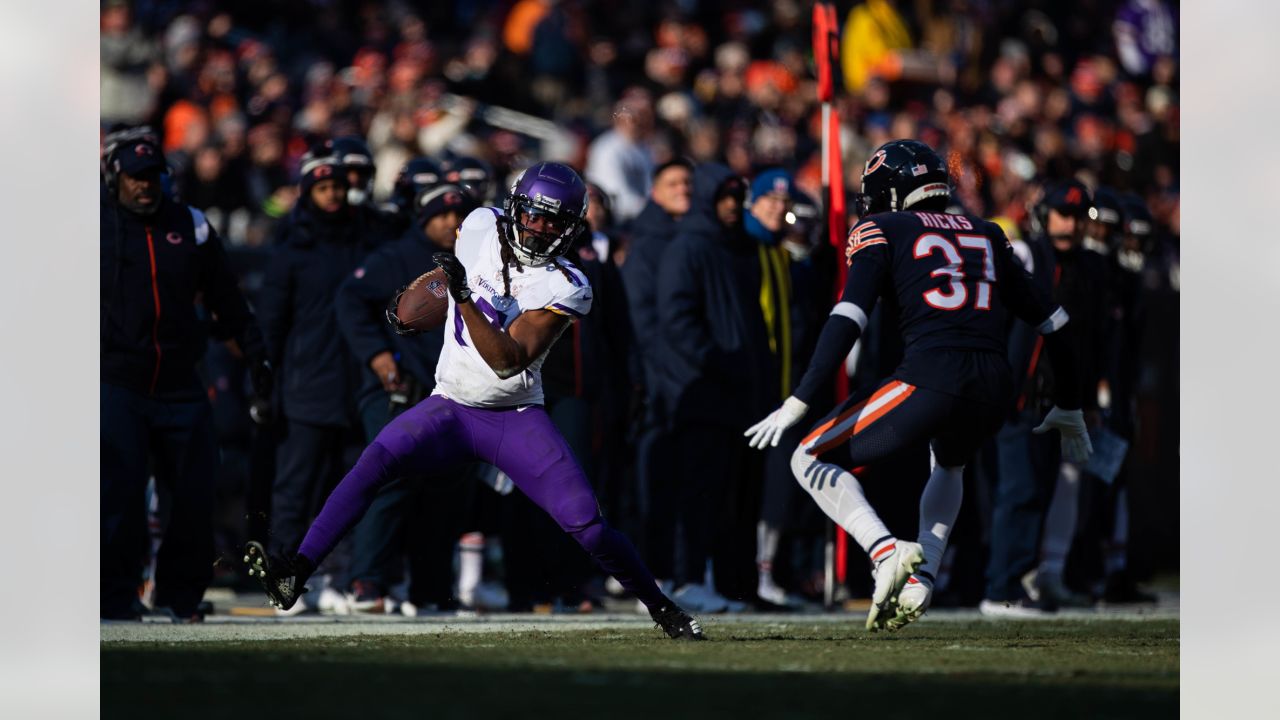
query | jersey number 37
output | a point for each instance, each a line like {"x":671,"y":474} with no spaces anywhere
{"x":955,"y":293}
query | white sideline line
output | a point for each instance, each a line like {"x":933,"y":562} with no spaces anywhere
{"x":248,"y":629}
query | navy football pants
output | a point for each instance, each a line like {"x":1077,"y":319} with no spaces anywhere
{"x":896,"y":417}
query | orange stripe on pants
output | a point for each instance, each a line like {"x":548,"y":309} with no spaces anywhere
{"x":863,"y":423}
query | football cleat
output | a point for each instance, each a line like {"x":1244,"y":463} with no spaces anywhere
{"x":676,"y":623}
{"x":891,"y":574}
{"x":282,"y":578}
{"x":912,"y":602}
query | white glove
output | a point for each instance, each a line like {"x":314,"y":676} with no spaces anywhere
{"x":769,"y":430}
{"x":1076,"y":447}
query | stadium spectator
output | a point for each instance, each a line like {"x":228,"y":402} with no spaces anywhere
{"x":795,"y":295}
{"x":718,"y":374}
{"x":165,"y":287}
{"x":651,"y":233}
{"x":127,"y":54}
{"x":620,"y":160}
{"x":321,"y":244}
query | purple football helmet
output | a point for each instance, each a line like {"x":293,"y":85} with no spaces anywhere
{"x":547,"y":209}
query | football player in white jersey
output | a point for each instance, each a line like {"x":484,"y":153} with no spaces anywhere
{"x":511,"y":295}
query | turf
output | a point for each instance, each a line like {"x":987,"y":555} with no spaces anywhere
{"x":1036,"y":670}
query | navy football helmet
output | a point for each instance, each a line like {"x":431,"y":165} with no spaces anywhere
{"x":1106,"y":208}
{"x":419,"y":174}
{"x":474,"y":175}
{"x":546,"y":209}
{"x":901,"y":174}
{"x":354,"y":156}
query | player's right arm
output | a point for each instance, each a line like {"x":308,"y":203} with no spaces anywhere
{"x":870,"y":263}
{"x":507,"y":353}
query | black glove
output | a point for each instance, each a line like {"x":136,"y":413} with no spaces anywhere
{"x":393,"y":317}
{"x":456,"y":273}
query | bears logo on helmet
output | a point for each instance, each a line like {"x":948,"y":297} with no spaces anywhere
{"x":901,"y":174}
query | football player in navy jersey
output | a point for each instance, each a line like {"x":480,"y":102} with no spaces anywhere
{"x":953,"y":282}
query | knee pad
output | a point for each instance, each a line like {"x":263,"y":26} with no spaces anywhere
{"x":801,"y":461}
{"x":812,"y":474}
{"x":587,"y":534}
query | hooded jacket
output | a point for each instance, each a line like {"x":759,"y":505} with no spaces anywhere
{"x":164,"y":279}
{"x":316,"y":372}
{"x":717,"y":368}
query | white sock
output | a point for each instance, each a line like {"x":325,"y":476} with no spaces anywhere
{"x":470,"y":563}
{"x":1060,"y":522}
{"x":766,"y":547}
{"x":939,"y":506}
{"x":839,"y":495}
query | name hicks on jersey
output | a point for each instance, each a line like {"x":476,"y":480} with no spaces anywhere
{"x":943,"y":221}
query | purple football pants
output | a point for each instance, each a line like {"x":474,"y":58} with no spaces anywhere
{"x":438,"y":432}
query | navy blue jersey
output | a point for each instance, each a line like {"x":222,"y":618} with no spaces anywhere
{"x":953,"y":280}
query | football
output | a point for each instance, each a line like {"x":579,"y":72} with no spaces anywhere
{"x":425,"y":303}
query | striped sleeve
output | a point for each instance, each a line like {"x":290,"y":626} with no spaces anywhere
{"x":572,"y":297}
{"x":863,"y":235}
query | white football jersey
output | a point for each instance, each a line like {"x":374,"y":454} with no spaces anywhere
{"x":461,"y":374}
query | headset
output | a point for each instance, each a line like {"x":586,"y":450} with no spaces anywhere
{"x":125,"y":137}
{"x":114,"y":140}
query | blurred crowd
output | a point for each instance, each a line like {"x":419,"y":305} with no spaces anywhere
{"x":686,"y":118}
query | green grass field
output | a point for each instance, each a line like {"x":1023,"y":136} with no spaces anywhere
{"x":1036,"y":670}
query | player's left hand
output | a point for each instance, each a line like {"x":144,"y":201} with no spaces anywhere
{"x":1076,"y":446}
{"x":769,"y":431}
{"x":457,"y":274}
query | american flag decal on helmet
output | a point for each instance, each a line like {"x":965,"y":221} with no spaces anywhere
{"x":864,"y":235}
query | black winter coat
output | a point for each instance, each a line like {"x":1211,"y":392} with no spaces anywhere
{"x":316,"y":372}
{"x":1078,"y":281}
{"x":651,"y":232}
{"x":717,"y":368}
{"x":165,"y":279}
